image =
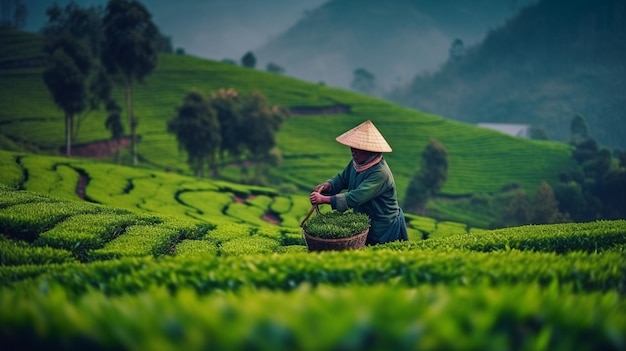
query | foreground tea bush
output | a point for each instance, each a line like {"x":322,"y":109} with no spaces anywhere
{"x":600,"y":272}
{"x":522,"y":317}
{"x":80,"y":275}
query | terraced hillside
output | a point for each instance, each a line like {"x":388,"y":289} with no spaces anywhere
{"x":74,"y":274}
{"x":480,"y":161}
{"x":157,"y":192}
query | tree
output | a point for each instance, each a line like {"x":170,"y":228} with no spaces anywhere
{"x":613,"y":194}
{"x":429,"y":179}
{"x":516,"y":211}
{"x":12,"y":14}
{"x":262,"y":122}
{"x":536,"y":133}
{"x":545,"y":209}
{"x":65,"y":78}
{"x":585,"y":150}
{"x":456,"y":51}
{"x":579,"y":129}
{"x":197,"y":131}
{"x":114,"y":124}
{"x":363,"y":81}
{"x":274,"y":68}
{"x":129,"y":51}
{"x":227,"y":104}
{"x":248,"y":60}
{"x":621,"y":156}
{"x":416,"y":196}
{"x":435,"y":170}
{"x":164,"y":44}
{"x":73,"y":75}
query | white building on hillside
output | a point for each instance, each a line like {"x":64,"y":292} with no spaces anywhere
{"x":518,"y":130}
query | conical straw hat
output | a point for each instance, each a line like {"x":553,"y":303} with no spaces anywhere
{"x":365,"y":136}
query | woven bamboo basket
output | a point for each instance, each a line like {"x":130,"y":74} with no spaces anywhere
{"x":314,"y":243}
{"x":355,"y":242}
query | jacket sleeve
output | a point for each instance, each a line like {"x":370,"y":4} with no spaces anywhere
{"x":340,"y":181}
{"x":371,"y":187}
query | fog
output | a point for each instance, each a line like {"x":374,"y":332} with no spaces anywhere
{"x":320,"y":40}
{"x":214,"y":29}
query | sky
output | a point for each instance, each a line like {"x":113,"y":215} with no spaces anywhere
{"x":214,"y":29}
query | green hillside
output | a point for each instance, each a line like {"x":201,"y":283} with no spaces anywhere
{"x":153,"y":192}
{"x":74,"y":274}
{"x":480,"y":161}
{"x":100,"y":256}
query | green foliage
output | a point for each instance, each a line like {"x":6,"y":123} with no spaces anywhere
{"x":196,"y":248}
{"x":336,"y":225}
{"x":281,"y":204}
{"x":363,"y":81}
{"x":267,"y":320}
{"x":542,"y":208}
{"x":140,"y":240}
{"x":431,"y":176}
{"x":248,"y":60}
{"x":71,"y":44}
{"x":11,"y":175}
{"x":20,"y":253}
{"x":83,"y":232}
{"x":249,"y":245}
{"x":129,"y":51}
{"x":578,"y":129}
{"x":212,"y":127}
{"x":25,"y":221}
{"x":591,"y":189}
{"x":197,"y":131}
{"x":238,"y":281}
{"x":204,"y":278}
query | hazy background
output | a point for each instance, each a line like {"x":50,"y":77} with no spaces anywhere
{"x":214,"y":29}
{"x":321,"y":40}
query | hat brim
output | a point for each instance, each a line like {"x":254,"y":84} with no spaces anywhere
{"x":366,"y":137}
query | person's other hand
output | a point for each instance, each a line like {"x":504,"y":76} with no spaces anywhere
{"x":322,"y":188}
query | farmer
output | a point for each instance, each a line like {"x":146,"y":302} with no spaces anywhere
{"x":369,"y":184}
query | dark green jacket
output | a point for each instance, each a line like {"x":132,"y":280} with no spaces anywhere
{"x":373,"y":192}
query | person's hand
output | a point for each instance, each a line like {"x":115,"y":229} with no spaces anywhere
{"x":322,"y":188}
{"x":317,"y":198}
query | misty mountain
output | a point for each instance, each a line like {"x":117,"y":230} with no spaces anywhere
{"x":556,"y":59}
{"x":215,"y":29}
{"x":393,"y":40}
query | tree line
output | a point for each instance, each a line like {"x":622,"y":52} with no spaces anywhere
{"x":91,"y":50}
{"x":228,"y":127}
{"x":593,"y":189}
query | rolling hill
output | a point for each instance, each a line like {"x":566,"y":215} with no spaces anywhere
{"x":554,"y":60}
{"x":100,"y":256}
{"x":480,"y":160}
{"x":394,"y":40}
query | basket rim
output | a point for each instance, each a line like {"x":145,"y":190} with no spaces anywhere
{"x":337,"y":240}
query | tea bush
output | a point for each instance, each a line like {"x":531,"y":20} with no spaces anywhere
{"x":336,"y":225}
{"x":77,"y":274}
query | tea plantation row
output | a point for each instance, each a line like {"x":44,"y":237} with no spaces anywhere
{"x":150,"y":191}
{"x":76,"y":274}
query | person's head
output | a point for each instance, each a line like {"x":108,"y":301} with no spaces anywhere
{"x":360,"y":156}
{"x":364,"y":138}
